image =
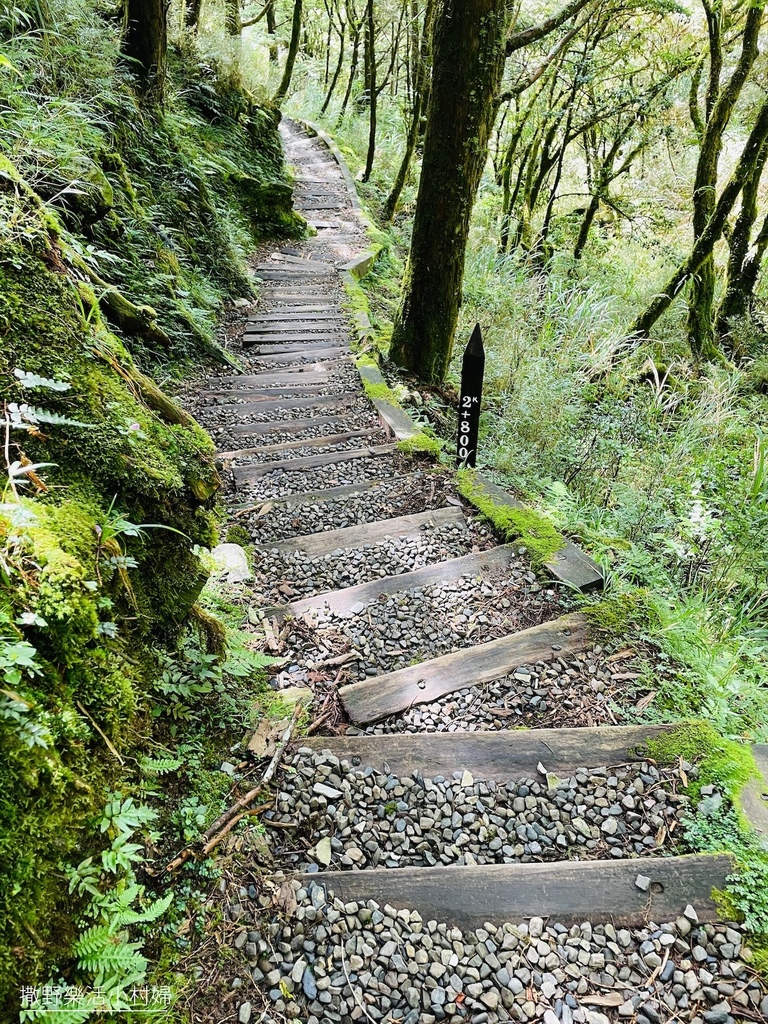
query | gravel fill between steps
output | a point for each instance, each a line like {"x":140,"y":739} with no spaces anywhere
{"x":583,"y":690}
{"x":299,"y":954}
{"x":281,"y":482}
{"x":392,"y":497}
{"x":375,"y":819}
{"x":287,"y":576}
{"x":422,"y":623}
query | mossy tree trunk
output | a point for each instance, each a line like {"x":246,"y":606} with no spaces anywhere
{"x":370,"y":63}
{"x":192,"y":13}
{"x":468,"y":64}
{"x":745,"y":256}
{"x":748,"y":160}
{"x":232,"y":21}
{"x":293,"y":49}
{"x":145,"y":44}
{"x":720,"y":101}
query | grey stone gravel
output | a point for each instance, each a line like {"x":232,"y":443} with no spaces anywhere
{"x":389,"y":498}
{"x":375,"y":819}
{"x":297,"y":575}
{"x":323,"y":960}
{"x":423,"y":622}
{"x":583,"y":689}
{"x":280,"y":482}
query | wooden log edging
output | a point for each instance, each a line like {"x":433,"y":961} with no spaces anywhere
{"x":565,"y":892}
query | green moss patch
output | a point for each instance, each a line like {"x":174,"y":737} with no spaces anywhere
{"x":421,"y":443}
{"x":531,"y":528}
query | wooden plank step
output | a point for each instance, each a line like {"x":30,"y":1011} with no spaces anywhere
{"x":293,"y":374}
{"x":318,"y":313}
{"x":324,"y":402}
{"x":291,"y":270}
{"x":300,"y":355}
{"x":302,"y":261}
{"x":308,"y":204}
{"x":341,"y":601}
{"x":505,"y":755}
{"x":325,"y":441}
{"x":284,"y":426}
{"x":294,"y":348}
{"x":416,"y":525}
{"x":289,"y":390}
{"x":389,"y":694}
{"x":293,"y":276}
{"x":567,"y":892}
{"x":250,"y":340}
{"x":244,"y":474}
{"x":306,"y":324}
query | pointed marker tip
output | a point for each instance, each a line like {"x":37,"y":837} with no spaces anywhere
{"x":475,"y":343}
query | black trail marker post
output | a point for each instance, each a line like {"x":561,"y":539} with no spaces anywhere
{"x":472,"y":367}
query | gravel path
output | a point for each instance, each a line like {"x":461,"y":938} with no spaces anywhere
{"x":379,"y":820}
{"x":298,"y":576}
{"x":286,"y":949}
{"x":422,"y":623}
{"x":320,"y":960}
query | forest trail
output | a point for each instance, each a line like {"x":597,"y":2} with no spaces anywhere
{"x":434,"y":643}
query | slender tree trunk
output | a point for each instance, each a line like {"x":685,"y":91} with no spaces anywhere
{"x":232,"y":22}
{"x":720,"y":102}
{"x":468,"y":65}
{"x":706,"y":242}
{"x":337,"y":72}
{"x":738,"y":297}
{"x":419,"y":71}
{"x":192,"y":13}
{"x":353,"y":64}
{"x":293,"y":50}
{"x":272,"y":30}
{"x":373,"y":95}
{"x":145,"y":44}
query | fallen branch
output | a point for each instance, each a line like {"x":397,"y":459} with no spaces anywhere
{"x":227,"y":821}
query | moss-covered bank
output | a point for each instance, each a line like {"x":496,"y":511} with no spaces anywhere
{"x":122,"y":232}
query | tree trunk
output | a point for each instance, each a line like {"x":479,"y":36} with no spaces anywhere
{"x":293,"y":50}
{"x":355,"y":28}
{"x":468,"y":65}
{"x":192,"y":13}
{"x":272,"y":30}
{"x":720,"y":102}
{"x":145,"y":44}
{"x":420,"y":64}
{"x":232,"y":22}
{"x":706,"y":242}
{"x":373,"y":95}
{"x":738,"y":297}
{"x":337,"y":72}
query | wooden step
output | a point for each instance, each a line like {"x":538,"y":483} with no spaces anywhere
{"x":506,"y":755}
{"x":417,"y":525}
{"x":337,"y":338}
{"x":340,"y":602}
{"x":324,"y":402}
{"x":299,"y":348}
{"x":301,"y":261}
{"x":284,"y":426}
{"x":267,"y":393}
{"x":293,"y":276}
{"x":300,"y":326}
{"x":567,"y":892}
{"x":318,"y":313}
{"x":245,"y":474}
{"x":319,"y":497}
{"x":332,"y":353}
{"x":325,"y":441}
{"x":382,"y":696}
{"x":292,"y":373}
{"x":288,"y":270}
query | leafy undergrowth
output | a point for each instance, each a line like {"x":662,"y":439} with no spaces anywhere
{"x":123,"y":230}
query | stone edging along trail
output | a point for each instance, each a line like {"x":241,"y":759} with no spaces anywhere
{"x":429,"y":860}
